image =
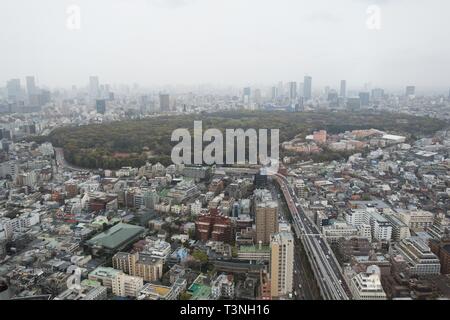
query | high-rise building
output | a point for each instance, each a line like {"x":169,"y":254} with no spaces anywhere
{"x":164,"y":102}
{"x":31,"y":86}
{"x":94,"y":88}
{"x":299,"y":105}
{"x":275,"y":93}
{"x":377,"y":93}
{"x":332,"y":98}
{"x":343,"y":90}
{"x":292,"y":90}
{"x":281,"y":264}
{"x":364,"y":98}
{"x":14,"y":90}
{"x":266,"y":216}
{"x":354,"y":103}
{"x":100,"y":105}
{"x":280,"y":89}
{"x":257,"y":96}
{"x":246,"y":94}
{"x":307,"y":88}
{"x":410,"y":91}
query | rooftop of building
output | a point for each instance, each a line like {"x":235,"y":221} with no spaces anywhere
{"x":105,"y":272}
{"x":116,"y":236}
{"x":254,"y":248}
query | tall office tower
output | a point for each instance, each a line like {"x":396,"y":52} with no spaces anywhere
{"x":31,"y":86}
{"x":354,"y":103}
{"x":280,"y":89}
{"x":343,"y":90}
{"x":164,"y":102}
{"x":100,"y":105}
{"x":332,"y":98}
{"x":292,"y":90}
{"x":104,"y":91}
{"x":410,"y":91}
{"x":13,"y":90}
{"x":365,"y":98}
{"x":144,"y":104}
{"x":257,"y":96}
{"x":281,"y":264}
{"x":246,"y":94}
{"x":274,"y":93}
{"x":266,"y":219}
{"x":377,"y":93}
{"x":94,"y":88}
{"x":307,"y":88}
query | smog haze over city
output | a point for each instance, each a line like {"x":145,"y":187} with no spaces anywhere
{"x":228,"y":42}
{"x":233,"y":157}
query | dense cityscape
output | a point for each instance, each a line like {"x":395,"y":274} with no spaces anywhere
{"x":354,"y":212}
{"x":223,"y":159}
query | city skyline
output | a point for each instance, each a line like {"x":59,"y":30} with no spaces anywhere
{"x":295,"y":89}
{"x":233,"y":157}
{"x":228,"y":42}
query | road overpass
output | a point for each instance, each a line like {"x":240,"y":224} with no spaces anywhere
{"x":326,"y":268}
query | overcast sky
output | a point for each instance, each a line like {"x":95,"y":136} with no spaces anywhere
{"x":227,"y":41}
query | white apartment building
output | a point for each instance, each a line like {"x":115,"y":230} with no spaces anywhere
{"x":381,"y":228}
{"x":417,"y":220}
{"x":364,"y":230}
{"x":366,"y":285}
{"x":281,"y":263}
{"x":338,"y":230}
{"x":124,"y":285}
{"x":222,"y":287}
{"x":418,"y":256}
{"x":196,"y":208}
{"x":400,"y":230}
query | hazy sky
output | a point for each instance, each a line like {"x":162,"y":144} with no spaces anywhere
{"x":227,"y":41}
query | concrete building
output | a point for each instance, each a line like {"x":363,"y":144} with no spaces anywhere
{"x":139,"y":264}
{"x":417,"y":220}
{"x":124,"y":285}
{"x":307,"y":88}
{"x":381,"y":228}
{"x":213,"y":226}
{"x":441,"y":248}
{"x":266,"y":216}
{"x":337,"y":230}
{"x":418,"y":257}
{"x":164,"y":102}
{"x":343,"y":89}
{"x":366,"y":285}
{"x":223,"y":287}
{"x":104,"y":275}
{"x":116,"y":238}
{"x":281,"y":264}
{"x":400,"y":230}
